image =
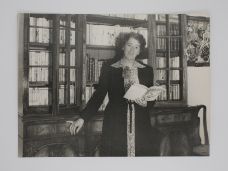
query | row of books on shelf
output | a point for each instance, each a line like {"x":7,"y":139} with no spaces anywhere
{"x":39,"y":57}
{"x":89,"y":92}
{"x":175,"y":61}
{"x":40,"y":74}
{"x":132,"y":16}
{"x":37,"y":74}
{"x":62,"y":75}
{"x":173,"y":30}
{"x":162,"y":74}
{"x":62,"y":37}
{"x":40,"y":35}
{"x":62,"y":94}
{"x":161,"y":62}
{"x":62,"y":58}
{"x":161,"y":43}
{"x":106,"y":35}
{"x":175,"y":43}
{"x":93,"y":69}
{"x":38,"y":96}
{"x":40,"y":21}
{"x":44,"y":35}
{"x":44,"y":22}
{"x":174,"y":93}
{"x":174,"y":75}
{"x":161,"y":30}
{"x":163,"y":95}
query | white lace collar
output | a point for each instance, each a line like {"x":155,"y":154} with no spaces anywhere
{"x":119,"y":64}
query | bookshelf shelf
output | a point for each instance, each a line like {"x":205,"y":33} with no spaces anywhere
{"x":100,"y":47}
{"x":38,"y":84}
{"x":38,"y":45}
{"x":42,"y":27}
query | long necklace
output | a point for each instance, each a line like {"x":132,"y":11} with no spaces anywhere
{"x":130,"y":75}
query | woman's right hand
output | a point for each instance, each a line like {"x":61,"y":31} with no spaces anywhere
{"x":76,"y":126}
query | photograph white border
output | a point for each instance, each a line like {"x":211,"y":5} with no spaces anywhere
{"x":9,"y":68}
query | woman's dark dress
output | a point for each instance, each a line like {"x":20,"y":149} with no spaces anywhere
{"x":114,"y":131}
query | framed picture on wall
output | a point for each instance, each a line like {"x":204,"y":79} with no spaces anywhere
{"x":198,"y":41}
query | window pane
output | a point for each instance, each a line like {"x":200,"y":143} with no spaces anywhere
{"x":62,"y":92}
{"x":163,"y":95}
{"x":161,"y":30}
{"x":39,"y":57}
{"x":174,"y":43}
{"x":72,"y":75}
{"x":72,"y":94}
{"x":37,"y":74}
{"x":38,"y":96}
{"x":161,"y":74}
{"x":174,"y":61}
{"x":161,"y":43}
{"x":174,"y":75}
{"x":72,"y":57}
{"x":62,"y":58}
{"x":174,"y":93}
{"x":62,"y":75}
{"x":161,"y":62}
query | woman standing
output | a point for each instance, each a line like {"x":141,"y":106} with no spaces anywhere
{"x":126,"y":127}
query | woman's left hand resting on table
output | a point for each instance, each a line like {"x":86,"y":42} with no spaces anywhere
{"x":76,"y":126}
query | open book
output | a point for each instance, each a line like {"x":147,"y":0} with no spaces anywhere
{"x":140,"y":91}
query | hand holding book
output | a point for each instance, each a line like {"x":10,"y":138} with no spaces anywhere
{"x":139,"y":91}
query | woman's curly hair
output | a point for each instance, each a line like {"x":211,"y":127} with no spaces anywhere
{"x":121,"y":40}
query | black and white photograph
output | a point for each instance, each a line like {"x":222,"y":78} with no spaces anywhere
{"x":113,"y":85}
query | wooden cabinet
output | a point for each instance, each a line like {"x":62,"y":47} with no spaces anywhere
{"x":45,"y":137}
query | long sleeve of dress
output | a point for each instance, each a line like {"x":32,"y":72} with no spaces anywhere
{"x":150,"y":104}
{"x":98,"y":96}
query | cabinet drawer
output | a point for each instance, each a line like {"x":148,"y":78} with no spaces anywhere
{"x":43,"y":130}
{"x":174,"y":118}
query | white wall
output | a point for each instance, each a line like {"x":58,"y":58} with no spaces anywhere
{"x":199,"y":91}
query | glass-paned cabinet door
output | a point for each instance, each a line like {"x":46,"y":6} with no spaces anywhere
{"x":67,"y":61}
{"x":39,"y":57}
{"x":168,"y":65}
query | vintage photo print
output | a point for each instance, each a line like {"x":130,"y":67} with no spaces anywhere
{"x":113,"y":85}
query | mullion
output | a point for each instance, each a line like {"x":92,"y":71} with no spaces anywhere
{"x":76,"y":70}
{"x":67,"y":43}
{"x":168,"y":56}
{"x":56,"y":37}
{"x":26,"y":63}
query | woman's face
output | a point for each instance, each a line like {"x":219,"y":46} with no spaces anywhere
{"x":131,"y":49}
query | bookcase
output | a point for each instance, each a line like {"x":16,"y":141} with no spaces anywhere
{"x":51,"y":64}
{"x":60,"y":67}
{"x":50,"y":83}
